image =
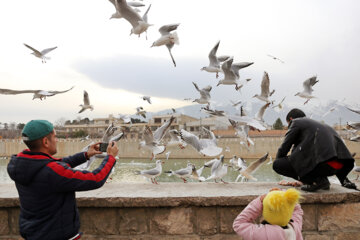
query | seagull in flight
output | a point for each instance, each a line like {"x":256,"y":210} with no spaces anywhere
{"x":117,"y":14}
{"x":306,"y":93}
{"x":168,"y":38}
{"x":231,"y":73}
{"x":207,"y":147}
{"x":146,"y":98}
{"x":41,"y":54}
{"x":248,"y":171}
{"x":279,"y":105}
{"x":139,"y":24}
{"x":41,"y":94}
{"x":265,"y":89}
{"x":86,"y":104}
{"x":152,"y":140}
{"x":214,"y":61}
{"x":275,"y":58}
{"x":107,"y":137}
{"x":204,"y":94}
{"x":141,"y":112}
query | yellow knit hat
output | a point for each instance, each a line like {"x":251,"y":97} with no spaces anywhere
{"x":278,"y":206}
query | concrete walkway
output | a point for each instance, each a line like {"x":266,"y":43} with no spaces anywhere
{"x":176,"y":194}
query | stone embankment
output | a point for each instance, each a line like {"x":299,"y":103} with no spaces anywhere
{"x":199,"y":211}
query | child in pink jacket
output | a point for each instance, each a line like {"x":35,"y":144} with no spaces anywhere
{"x":282,"y":217}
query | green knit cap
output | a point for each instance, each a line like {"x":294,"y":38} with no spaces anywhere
{"x":36,"y":129}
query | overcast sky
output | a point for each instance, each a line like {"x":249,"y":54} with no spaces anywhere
{"x":97,"y":54}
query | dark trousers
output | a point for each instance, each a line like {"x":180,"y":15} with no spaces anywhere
{"x":283,"y":167}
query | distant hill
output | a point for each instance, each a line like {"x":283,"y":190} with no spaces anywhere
{"x":319,"y":112}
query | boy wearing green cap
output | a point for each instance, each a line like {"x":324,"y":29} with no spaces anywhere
{"x":47,"y":185}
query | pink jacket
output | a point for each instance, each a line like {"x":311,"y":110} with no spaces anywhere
{"x":245,"y":227}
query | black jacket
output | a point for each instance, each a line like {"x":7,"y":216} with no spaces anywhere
{"x":46,"y":188}
{"x":314,"y":143}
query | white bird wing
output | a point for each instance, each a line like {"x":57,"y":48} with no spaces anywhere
{"x":166,"y":29}
{"x":57,"y":92}
{"x":183,"y":171}
{"x":265,"y":85}
{"x":191,"y":139}
{"x":196,"y":86}
{"x":308,"y":83}
{"x":226,"y":67}
{"x":245,"y":120}
{"x":47,"y":50}
{"x":145,"y":16}
{"x":255,"y":165}
{"x":108,"y":133}
{"x":260,"y":114}
{"x":150,"y":172}
{"x":86,"y":98}
{"x":353,"y":110}
{"x":174,"y":135}
{"x":148,"y":135}
{"x":36,"y":51}
{"x":160,"y":132}
{"x":223,"y":58}
{"x":136,"y":4}
{"x":212,"y":56}
{"x":128,"y":12}
{"x":237,"y":66}
{"x":14,"y":92}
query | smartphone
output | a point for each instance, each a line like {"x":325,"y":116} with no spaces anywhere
{"x":103,"y":146}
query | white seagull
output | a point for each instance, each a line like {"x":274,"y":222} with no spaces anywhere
{"x":86,"y":104}
{"x":139,"y":24}
{"x":307,"y":92}
{"x":275,"y":58}
{"x":125,"y":118}
{"x":107,"y":137}
{"x":196,"y":174}
{"x":280,"y":105}
{"x":207,"y":147}
{"x":41,"y":94}
{"x":218,"y":169}
{"x":141,"y":112}
{"x":231,"y":73}
{"x":152,"y":140}
{"x":247,"y":172}
{"x":41,"y":54}
{"x":152,"y":173}
{"x":182,"y":173}
{"x":204,"y":94}
{"x":135,"y":5}
{"x":265,"y":89}
{"x":168,"y":38}
{"x":146,"y":98}
{"x":214,"y":61}
{"x":175,"y":139}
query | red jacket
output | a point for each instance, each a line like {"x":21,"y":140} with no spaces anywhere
{"x":46,"y":188}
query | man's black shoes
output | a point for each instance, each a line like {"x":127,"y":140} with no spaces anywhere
{"x":320,"y":183}
{"x":346,"y":183}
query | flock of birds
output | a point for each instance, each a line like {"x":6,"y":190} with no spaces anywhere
{"x":154,"y":141}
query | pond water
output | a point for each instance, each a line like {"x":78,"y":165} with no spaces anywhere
{"x":125,"y":170}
